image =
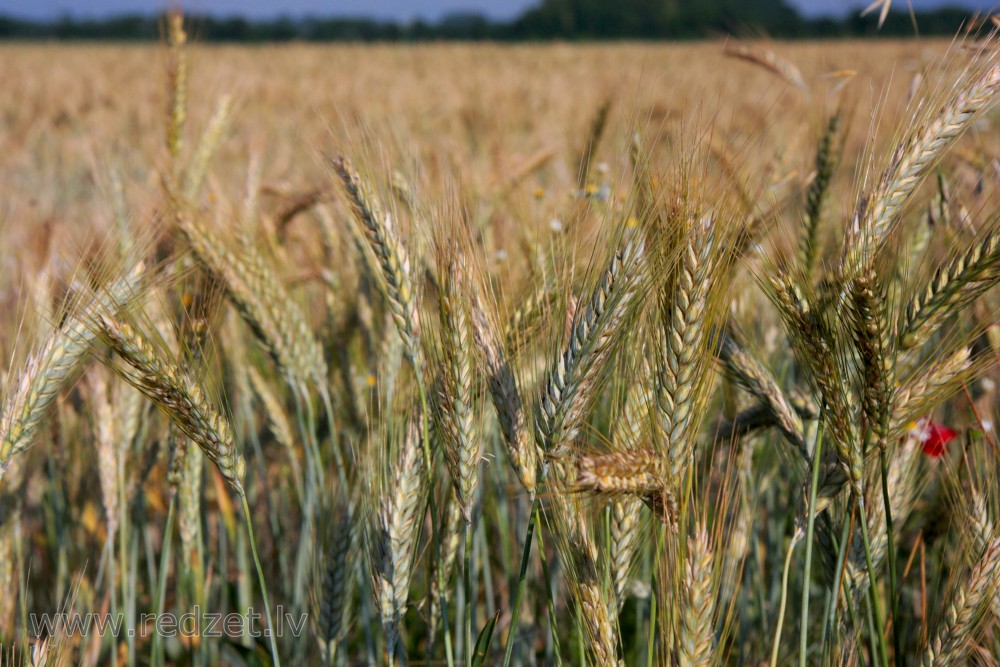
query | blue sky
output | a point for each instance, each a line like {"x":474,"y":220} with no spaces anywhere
{"x":386,"y":9}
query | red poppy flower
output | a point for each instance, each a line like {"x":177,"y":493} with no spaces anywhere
{"x":935,"y":439}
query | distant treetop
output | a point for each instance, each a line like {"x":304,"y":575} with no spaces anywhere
{"x":551,"y":19}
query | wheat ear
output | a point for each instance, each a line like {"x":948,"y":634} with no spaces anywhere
{"x":336,"y":586}
{"x":444,"y":565}
{"x":752,"y":375}
{"x":588,"y":574}
{"x":456,"y":390}
{"x":964,"y":615}
{"x":903,"y":488}
{"x":812,"y":341}
{"x":954,"y":285}
{"x":392,"y":541}
{"x":206,"y":148}
{"x":393,"y":262}
{"x":878,"y":213}
{"x":922,"y":391}
{"x":636,"y":471}
{"x":107,"y":448}
{"x":697,"y":633}
{"x":629,"y":431}
{"x":877,"y":360}
{"x":625,"y":530}
{"x":506,"y":398}
{"x":574,"y":378}
{"x":178,"y":395}
{"x":54,"y":365}
{"x":176,"y":84}
{"x":684,"y":344}
{"x":826,"y":163}
{"x":769,"y":60}
{"x":264,"y":304}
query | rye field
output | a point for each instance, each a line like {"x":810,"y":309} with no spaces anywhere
{"x":458,"y":354}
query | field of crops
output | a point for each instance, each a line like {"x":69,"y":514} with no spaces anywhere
{"x":500,"y":355}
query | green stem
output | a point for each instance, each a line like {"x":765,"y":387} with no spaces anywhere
{"x":161,"y":587}
{"x":831,"y":611}
{"x":872,"y":589}
{"x":891,"y":557}
{"x":312,"y":489}
{"x":443,"y":599}
{"x":871,"y":633}
{"x":784,"y":598}
{"x":757,"y":577}
{"x":109,"y":547}
{"x":431,"y":507}
{"x":123,"y":560}
{"x":424,"y":429}
{"x":521,"y":581}
{"x":653,"y":597}
{"x":263,"y":584}
{"x":810,"y":527}
{"x":550,"y":598}
{"x":651,"y":639}
{"x":338,"y":455}
{"x":467,"y":567}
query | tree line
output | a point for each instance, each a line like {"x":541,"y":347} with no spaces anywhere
{"x":551,"y":19}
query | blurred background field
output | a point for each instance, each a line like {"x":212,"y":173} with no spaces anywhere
{"x":73,"y":111}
